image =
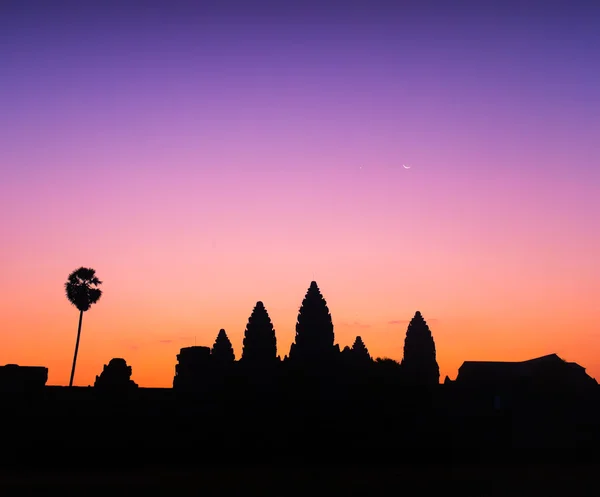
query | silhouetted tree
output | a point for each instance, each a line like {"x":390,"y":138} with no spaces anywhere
{"x":387,"y":378}
{"x":387,"y":362}
{"x":314,"y":330}
{"x":82,"y":291}
{"x":387,"y":368}
{"x":222,"y":351}
{"x":116,"y":376}
{"x":359,"y":351}
{"x":260,"y":344}
{"x":419,"y":365}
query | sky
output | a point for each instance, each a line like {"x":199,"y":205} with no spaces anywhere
{"x":203,"y":156}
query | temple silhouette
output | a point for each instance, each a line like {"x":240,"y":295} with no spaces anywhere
{"x":341,"y":400}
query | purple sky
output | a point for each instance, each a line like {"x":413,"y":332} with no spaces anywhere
{"x":233,"y":102}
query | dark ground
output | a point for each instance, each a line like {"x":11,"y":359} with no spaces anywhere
{"x":161,"y":444}
{"x":481,"y":480}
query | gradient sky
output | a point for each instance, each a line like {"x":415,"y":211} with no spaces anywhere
{"x":202,"y":158}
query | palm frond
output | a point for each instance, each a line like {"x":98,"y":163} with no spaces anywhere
{"x":94,"y":295}
{"x":80,"y":288}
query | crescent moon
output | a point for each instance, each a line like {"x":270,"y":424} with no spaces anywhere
{"x":405,"y":167}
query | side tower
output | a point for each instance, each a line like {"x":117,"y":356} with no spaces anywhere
{"x":419,"y":365}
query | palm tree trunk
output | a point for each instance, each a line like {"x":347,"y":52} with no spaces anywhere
{"x":76,"y":348}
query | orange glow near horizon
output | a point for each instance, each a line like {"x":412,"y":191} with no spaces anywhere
{"x":148,"y":328}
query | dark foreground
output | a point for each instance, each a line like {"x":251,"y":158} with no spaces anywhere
{"x":302,"y":443}
{"x":500,"y":479}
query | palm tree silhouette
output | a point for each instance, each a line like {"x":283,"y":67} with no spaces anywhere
{"x":82,"y":292}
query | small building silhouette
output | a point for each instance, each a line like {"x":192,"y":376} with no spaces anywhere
{"x":504,"y":383}
{"x":15,"y":378}
{"x":547,"y":371}
{"x":192,"y":368}
{"x":115,"y":376}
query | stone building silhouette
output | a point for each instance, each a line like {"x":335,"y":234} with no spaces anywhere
{"x":549,"y":372}
{"x":222,"y":353}
{"x":314,"y":339}
{"x":419,"y":365}
{"x":115,"y":376}
{"x":359,"y":351}
{"x":192,"y":368}
{"x":260,"y":343}
{"x":15,"y":378}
